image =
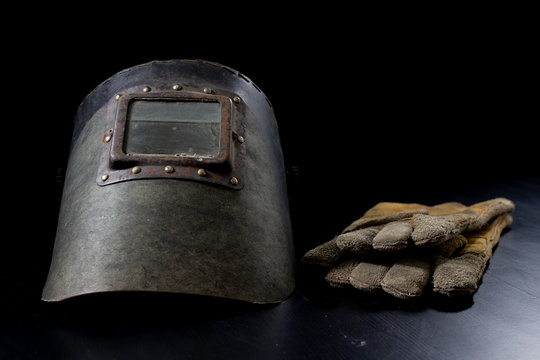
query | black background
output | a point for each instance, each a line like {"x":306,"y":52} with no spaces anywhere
{"x":372,"y":106}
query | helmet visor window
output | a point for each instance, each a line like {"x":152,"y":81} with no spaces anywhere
{"x":173,"y":127}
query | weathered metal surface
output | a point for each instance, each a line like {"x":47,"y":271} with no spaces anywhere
{"x":175,"y":231}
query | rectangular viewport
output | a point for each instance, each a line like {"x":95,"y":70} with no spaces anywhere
{"x":173,"y":127}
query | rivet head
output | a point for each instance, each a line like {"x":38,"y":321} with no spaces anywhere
{"x":104,"y":177}
{"x":168,"y":169}
{"x":117,"y":97}
{"x":108,"y":138}
{"x":237,"y":99}
{"x":240,"y":139}
{"x":136,"y":170}
{"x":146,"y":89}
{"x":201,"y":172}
{"x":177,"y":87}
{"x":233,"y":180}
{"x":207,"y":91}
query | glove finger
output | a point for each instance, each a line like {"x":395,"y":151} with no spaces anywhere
{"x":368,"y":275}
{"x":434,"y":230}
{"x":407,"y":278}
{"x":393,"y":236}
{"x":386,"y":212}
{"x":339,"y":276}
{"x":487,"y":210}
{"x":326,"y":254}
{"x":358,"y":241}
{"x":460,"y":275}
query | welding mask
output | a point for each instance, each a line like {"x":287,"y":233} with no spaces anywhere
{"x":175,"y":183}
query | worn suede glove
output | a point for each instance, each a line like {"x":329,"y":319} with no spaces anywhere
{"x":392,"y":227}
{"x":407,"y":277}
{"x":403,"y":276}
{"x":406,"y":271}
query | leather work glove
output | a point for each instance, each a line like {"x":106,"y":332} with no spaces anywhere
{"x":392,"y":227}
{"x":403,"y":276}
{"x":406,"y":272}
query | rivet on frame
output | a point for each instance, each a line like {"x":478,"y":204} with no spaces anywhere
{"x":136,"y":170}
{"x":146,"y":89}
{"x":208,"y":91}
{"x":233,"y":180}
{"x":104,"y":177}
{"x":117,"y":97}
{"x":237,"y":99}
{"x":168,"y":169}
{"x":202,"y":172}
{"x":177,"y":87}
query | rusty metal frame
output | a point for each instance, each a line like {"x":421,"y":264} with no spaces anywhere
{"x":225,"y":168}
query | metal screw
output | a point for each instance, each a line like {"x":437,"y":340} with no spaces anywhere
{"x":136,"y":170}
{"x":177,"y":87}
{"x":233,"y":180}
{"x":202,"y":172}
{"x":146,"y":89}
{"x":104,"y":177}
{"x":237,"y":99}
{"x":168,"y":169}
{"x":207,"y":91}
{"x":117,"y":97}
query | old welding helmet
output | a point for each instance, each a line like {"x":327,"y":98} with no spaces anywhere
{"x":175,"y":183}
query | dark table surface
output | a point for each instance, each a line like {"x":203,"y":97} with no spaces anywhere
{"x":500,"y":321}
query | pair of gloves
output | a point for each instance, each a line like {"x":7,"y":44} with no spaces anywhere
{"x":399,"y":248}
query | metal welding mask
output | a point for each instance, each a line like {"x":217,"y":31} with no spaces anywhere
{"x":175,"y":183}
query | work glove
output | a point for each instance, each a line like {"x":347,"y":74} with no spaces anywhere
{"x":404,"y":275}
{"x":393,"y":227}
{"x":395,"y":247}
